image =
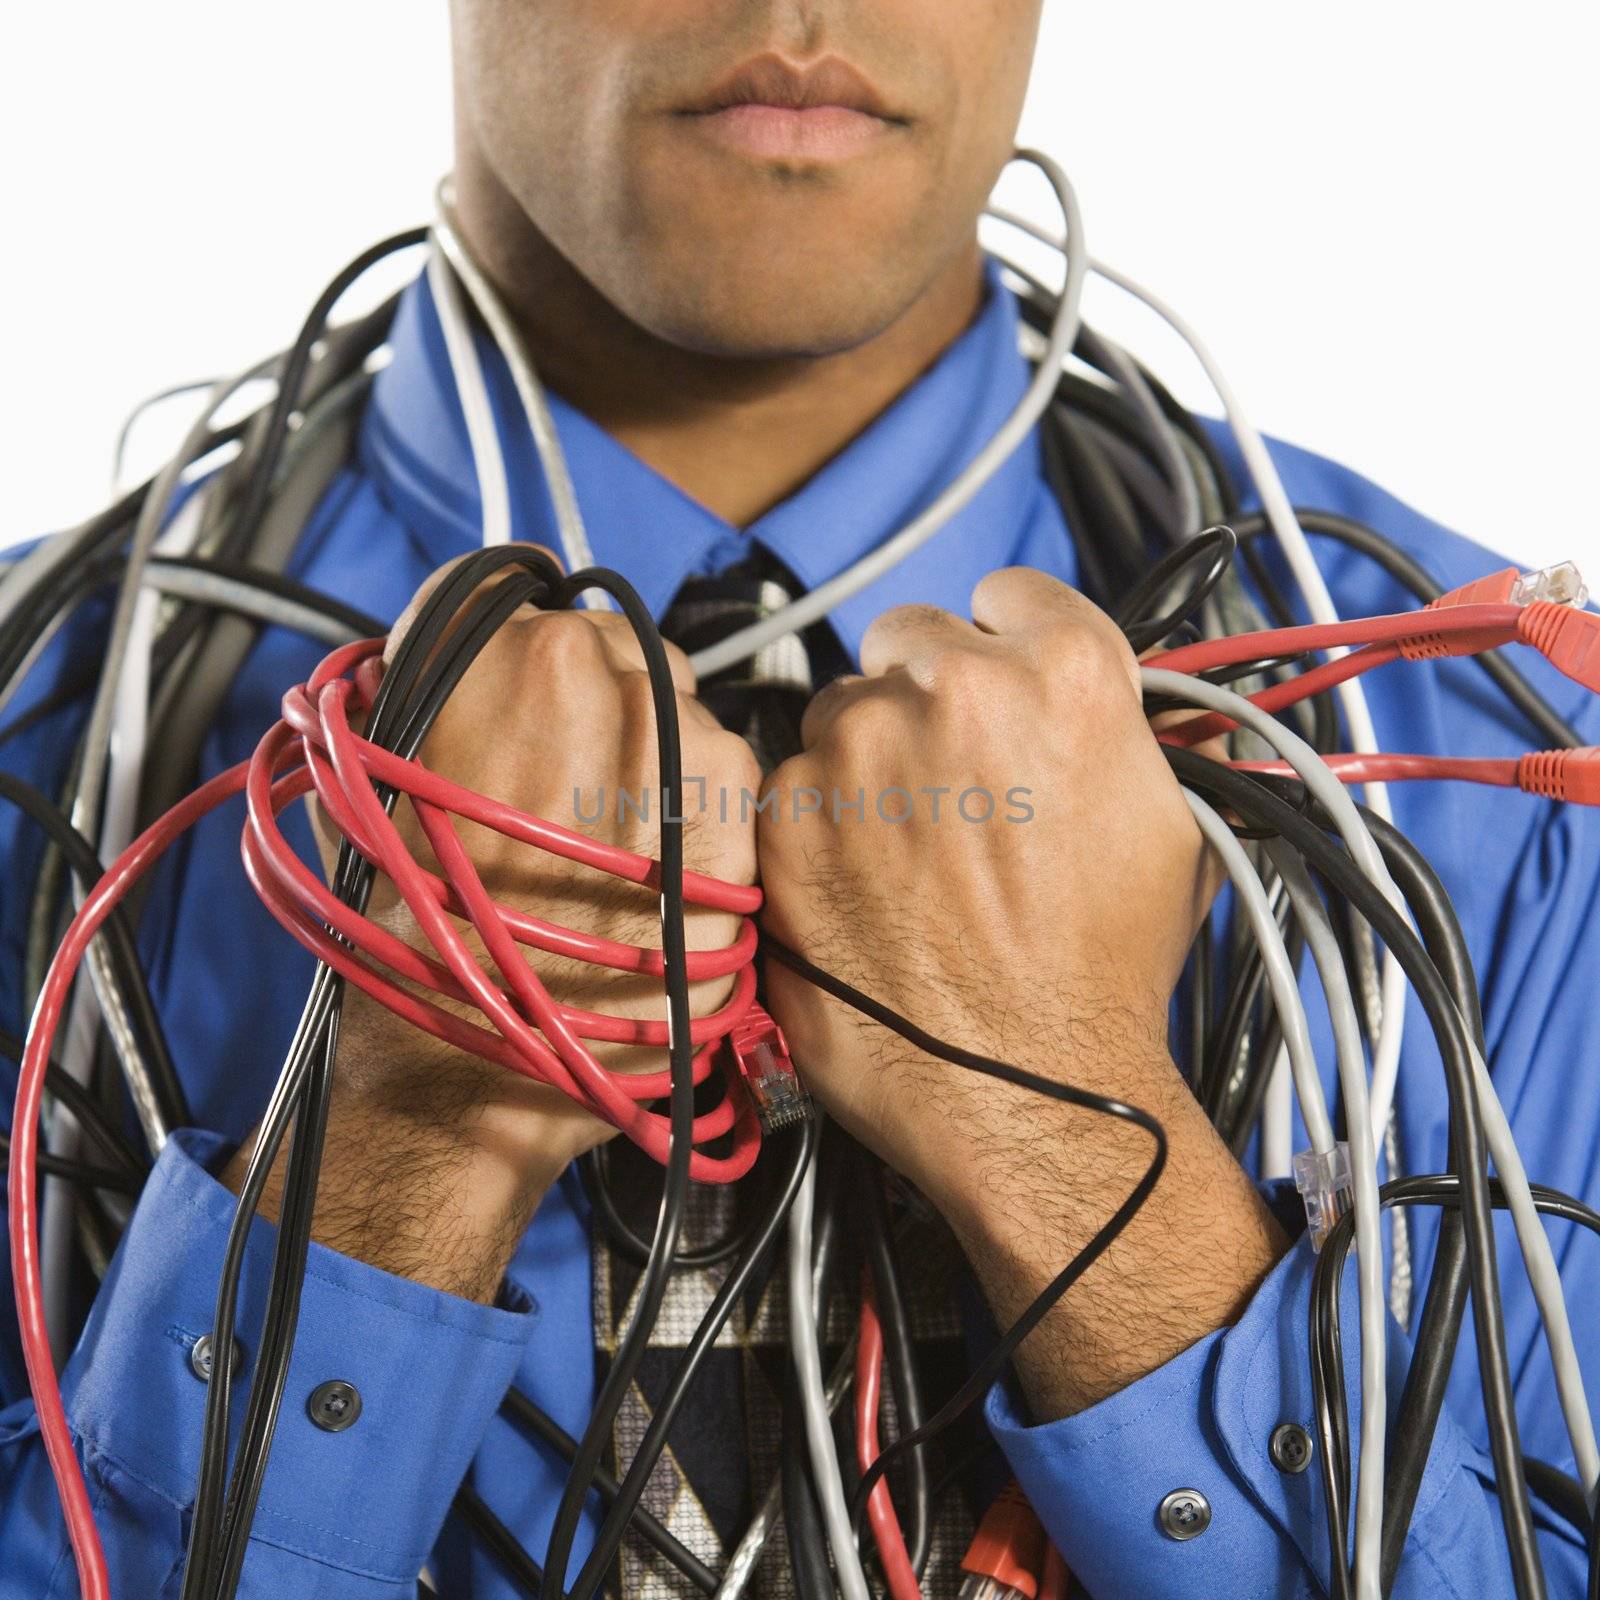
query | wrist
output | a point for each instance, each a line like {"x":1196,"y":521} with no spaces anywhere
{"x":435,"y":1195}
{"x":1185,"y":1265}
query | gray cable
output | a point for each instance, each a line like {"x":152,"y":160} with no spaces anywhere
{"x":152,"y":516}
{"x":872,"y":566}
{"x":234,"y":594}
{"x":814,"y":1403}
{"x":1323,"y":943}
{"x":747,"y":1553}
{"x":171,"y":392}
{"x":1544,"y":1277}
{"x":558,"y":479}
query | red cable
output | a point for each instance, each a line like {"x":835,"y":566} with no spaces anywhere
{"x":313,"y":747}
{"x":886,"y":1533}
{"x":1494,"y":624}
{"x":93,"y":1580}
{"x":1390,"y":768}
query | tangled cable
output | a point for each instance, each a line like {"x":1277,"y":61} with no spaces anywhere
{"x":314,"y":747}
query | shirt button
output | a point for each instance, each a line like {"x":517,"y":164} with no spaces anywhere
{"x":1184,"y":1514}
{"x":334,"y":1405}
{"x":201,"y":1357}
{"x":1290,"y":1447}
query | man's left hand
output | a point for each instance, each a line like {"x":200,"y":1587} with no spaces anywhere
{"x":982,"y":834}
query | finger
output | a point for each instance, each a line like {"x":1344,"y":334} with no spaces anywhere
{"x":825,"y":705}
{"x":1022,"y":601}
{"x":910,"y":637}
{"x":624,"y":650}
{"x":407,"y":618}
{"x":696,"y":711}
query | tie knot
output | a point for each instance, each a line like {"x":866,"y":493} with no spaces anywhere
{"x":761,"y":698}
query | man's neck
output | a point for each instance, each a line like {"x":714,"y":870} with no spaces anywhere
{"x":736,"y":434}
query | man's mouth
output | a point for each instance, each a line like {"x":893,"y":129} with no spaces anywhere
{"x":770,"y":108}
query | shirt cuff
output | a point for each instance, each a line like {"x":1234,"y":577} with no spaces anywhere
{"x":430,"y":1371}
{"x":1203,"y":1422}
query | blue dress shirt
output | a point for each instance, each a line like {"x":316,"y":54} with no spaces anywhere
{"x":357,"y":1513}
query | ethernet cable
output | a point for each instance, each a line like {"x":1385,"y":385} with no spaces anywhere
{"x":819,"y":1429}
{"x":1302,"y":563}
{"x":1539,"y":1259}
{"x":576,"y":553}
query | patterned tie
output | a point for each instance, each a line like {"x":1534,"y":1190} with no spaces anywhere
{"x":722,"y":1452}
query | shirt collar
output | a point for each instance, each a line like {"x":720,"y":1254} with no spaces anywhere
{"x":414,"y":440}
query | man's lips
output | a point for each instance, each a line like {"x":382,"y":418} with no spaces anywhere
{"x":815,"y":133}
{"x":771,"y":107}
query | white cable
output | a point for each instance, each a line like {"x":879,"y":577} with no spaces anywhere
{"x":574,"y":538}
{"x":1276,"y":1158}
{"x":494,"y":493}
{"x":747,"y":1553}
{"x":814,"y":1399}
{"x":1352,"y":1063}
{"x":234,"y":594}
{"x":1319,"y":603}
{"x":99,"y":998}
{"x":1281,"y":980}
{"x":983,"y":466}
{"x":1544,"y":1276}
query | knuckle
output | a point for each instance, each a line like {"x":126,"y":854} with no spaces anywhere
{"x":1086,"y":659}
{"x":862,"y":724}
{"x":967,"y":683}
{"x":560,"y":642}
{"x":914,"y":617}
{"x":1000,"y":584}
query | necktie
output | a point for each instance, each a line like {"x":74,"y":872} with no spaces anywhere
{"x":722,"y":1453}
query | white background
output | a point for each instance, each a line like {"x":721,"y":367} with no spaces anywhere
{"x":1380,"y":214}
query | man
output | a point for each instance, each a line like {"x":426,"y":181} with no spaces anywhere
{"x":769,"y":331}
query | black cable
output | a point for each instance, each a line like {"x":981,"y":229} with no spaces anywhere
{"x":420,"y":639}
{"x":214,"y":1514}
{"x":253,"y":497}
{"x":1259,"y":802}
{"x":1444,"y":1306}
{"x":984,"y":1375}
{"x":438,"y":680}
{"x":79,"y":1172}
{"x":1216,"y":546}
{"x":1093,"y":578}
{"x":531,"y":1416}
{"x":666,"y":1407}
{"x":1445,"y":1190}
{"x":595,"y":1170}
{"x":802,"y":1519}
{"x":1561,"y":1491}
{"x":1413,"y":577}
{"x":88,"y":1111}
{"x":121,"y":950}
{"x":498,"y":1539}
{"x":899,"y":1355}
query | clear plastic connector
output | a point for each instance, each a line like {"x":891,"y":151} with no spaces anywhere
{"x":1563,"y":584}
{"x":767,"y":1068}
{"x":1323,"y":1179}
{"x":976,"y":1586}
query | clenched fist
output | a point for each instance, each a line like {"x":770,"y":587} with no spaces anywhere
{"x":435,"y":1159}
{"x":981,"y":833}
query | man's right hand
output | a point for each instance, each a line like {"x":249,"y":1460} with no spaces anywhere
{"x":435,"y":1160}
